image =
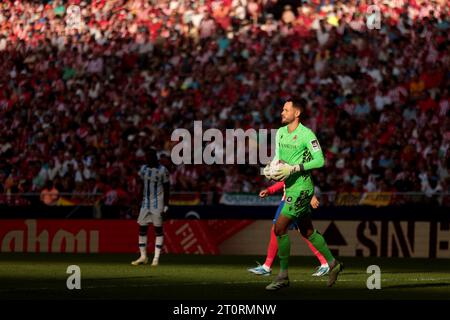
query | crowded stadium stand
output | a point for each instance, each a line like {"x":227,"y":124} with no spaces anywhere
{"x":87,"y":86}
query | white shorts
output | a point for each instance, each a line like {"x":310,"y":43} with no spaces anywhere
{"x":146,"y":217}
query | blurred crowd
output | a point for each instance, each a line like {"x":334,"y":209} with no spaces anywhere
{"x":86,"y":87}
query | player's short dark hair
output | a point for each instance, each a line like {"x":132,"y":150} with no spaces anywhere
{"x":152,"y":157}
{"x":298,"y":103}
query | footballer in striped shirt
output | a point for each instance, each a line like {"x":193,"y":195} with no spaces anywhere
{"x":155,"y":201}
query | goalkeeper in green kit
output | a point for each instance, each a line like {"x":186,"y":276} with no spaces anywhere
{"x":298,"y":149}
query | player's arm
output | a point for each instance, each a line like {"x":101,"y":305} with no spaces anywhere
{"x":141,"y":172}
{"x":314,"y":202}
{"x":276,"y":187}
{"x":317,"y":159}
{"x":166,"y":189}
{"x":272,"y":189}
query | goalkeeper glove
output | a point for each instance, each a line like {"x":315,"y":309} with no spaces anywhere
{"x":266,"y":171}
{"x":286,"y":170}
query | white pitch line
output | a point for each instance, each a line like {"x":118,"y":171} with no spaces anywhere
{"x":208,"y":283}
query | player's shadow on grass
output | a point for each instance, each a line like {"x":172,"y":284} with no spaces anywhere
{"x":120,"y":278}
{"x":421,"y":285}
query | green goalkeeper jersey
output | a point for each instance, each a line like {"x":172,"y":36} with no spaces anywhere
{"x":299,"y":147}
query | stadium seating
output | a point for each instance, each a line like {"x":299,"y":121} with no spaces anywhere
{"x":87,"y":86}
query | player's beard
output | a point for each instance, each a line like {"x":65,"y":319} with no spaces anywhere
{"x":287,"y":120}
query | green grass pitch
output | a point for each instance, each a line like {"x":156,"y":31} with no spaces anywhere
{"x":191,"y":277}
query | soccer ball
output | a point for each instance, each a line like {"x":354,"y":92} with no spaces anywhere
{"x":272,"y":169}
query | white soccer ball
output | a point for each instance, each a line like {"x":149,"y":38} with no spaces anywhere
{"x":272,"y":169}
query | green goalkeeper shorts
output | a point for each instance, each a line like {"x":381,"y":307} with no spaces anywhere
{"x":297,"y":204}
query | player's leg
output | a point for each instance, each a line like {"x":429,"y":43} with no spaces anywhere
{"x":323,"y":269}
{"x":142,"y":246}
{"x":284,"y":244}
{"x":284,"y":250}
{"x":295,"y":207}
{"x":272,"y":249}
{"x":317,"y":240}
{"x":266,"y":268}
{"x":159,"y":237}
{"x":273,"y":244}
{"x":316,"y":252}
{"x":143,"y":220}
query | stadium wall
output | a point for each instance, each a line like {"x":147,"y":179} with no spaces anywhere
{"x":358,"y":237}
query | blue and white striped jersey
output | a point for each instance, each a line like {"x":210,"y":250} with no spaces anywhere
{"x":153,"y":179}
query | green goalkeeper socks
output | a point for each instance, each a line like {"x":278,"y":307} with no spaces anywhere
{"x":319,"y":243}
{"x":284,"y":250}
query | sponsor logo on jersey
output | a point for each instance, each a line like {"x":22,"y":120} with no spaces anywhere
{"x":315,"y":145}
{"x":288,"y":146}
